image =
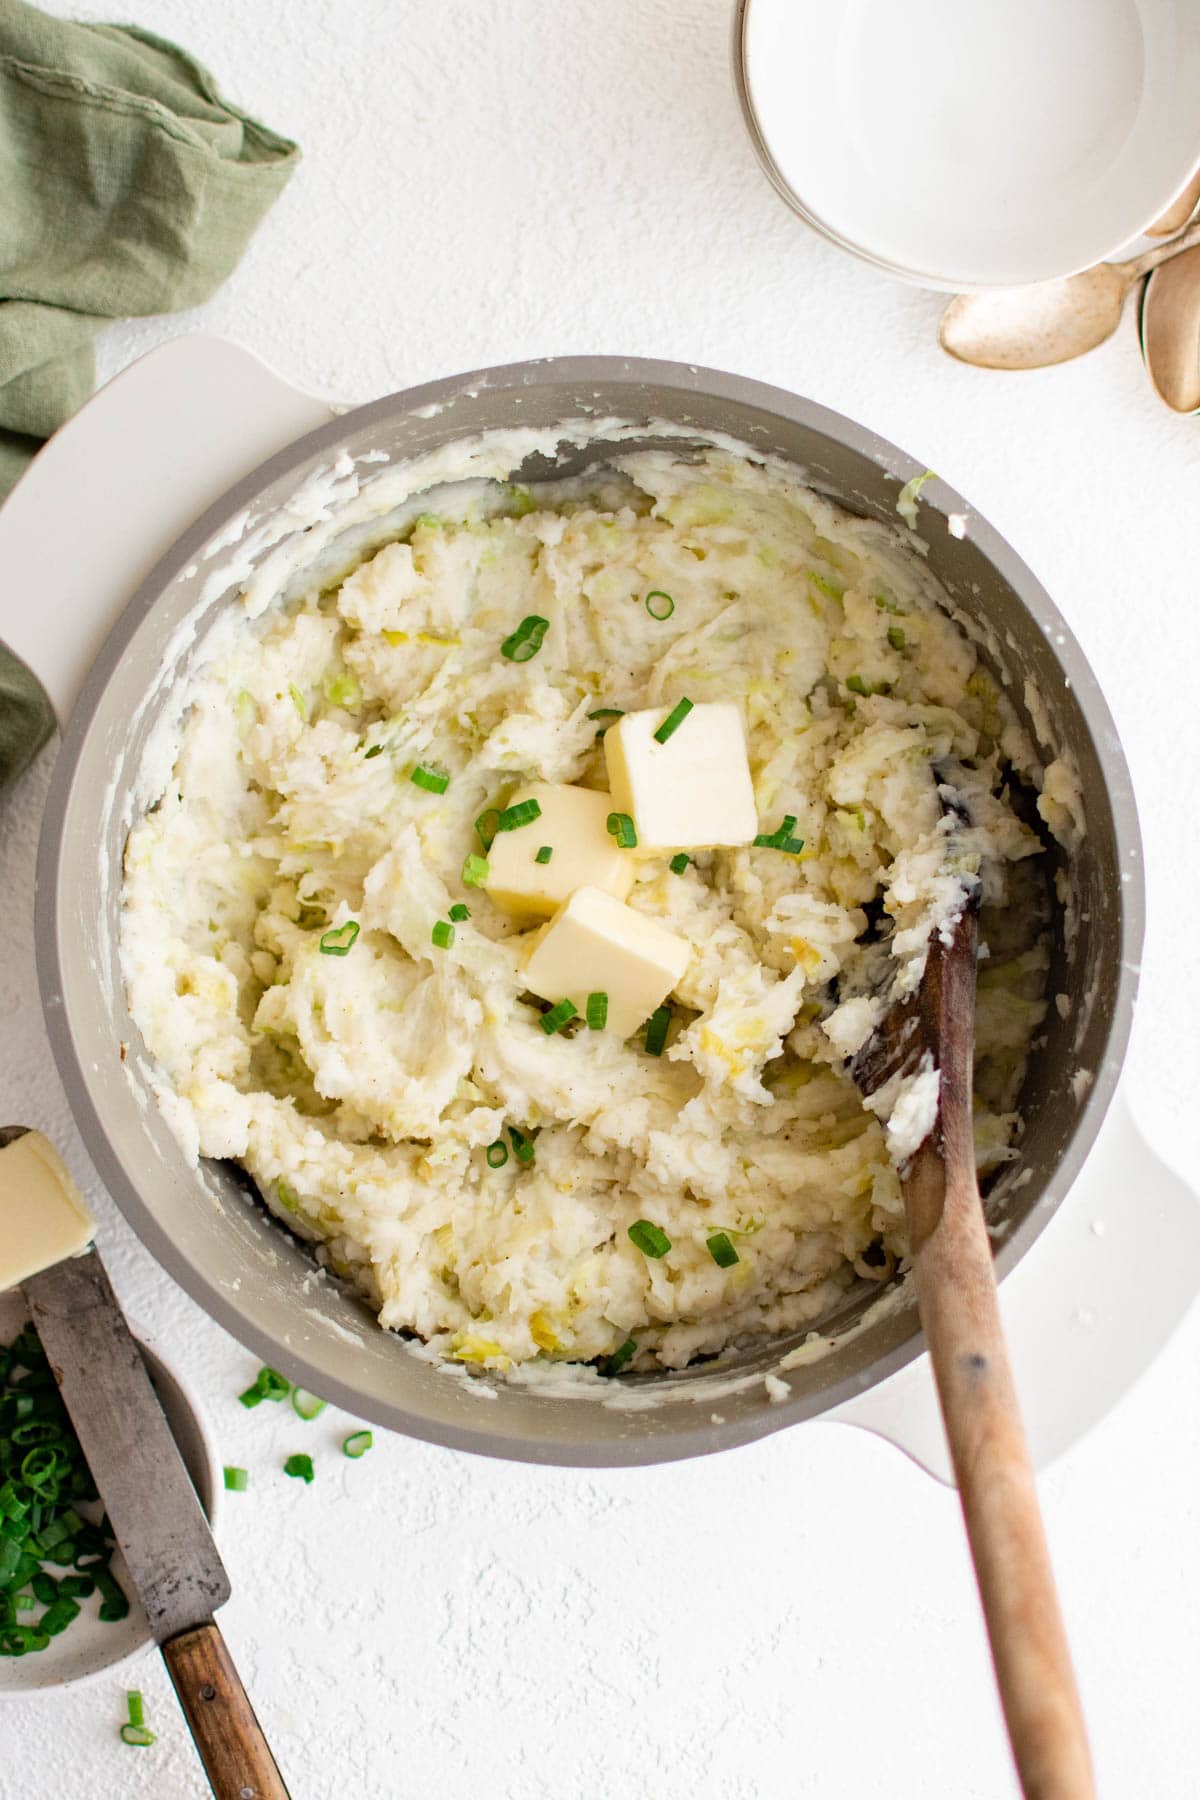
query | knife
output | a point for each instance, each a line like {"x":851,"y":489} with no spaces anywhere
{"x":151,"y":1504}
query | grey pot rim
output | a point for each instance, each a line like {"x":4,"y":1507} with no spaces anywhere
{"x":685,"y":378}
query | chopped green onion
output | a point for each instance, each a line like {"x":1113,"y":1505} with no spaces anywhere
{"x":523,"y":813}
{"x":721,"y":1250}
{"x":665,"y":605}
{"x":895,"y":637}
{"x":832,"y":590}
{"x":306,"y":1405}
{"x":114,"y":1602}
{"x":459,"y":912}
{"x":137,"y":1736}
{"x":434,"y":781}
{"x":544,"y":854}
{"x":342,"y":690}
{"x":77,"y":1587}
{"x":673,"y":721}
{"x":236,"y":1480}
{"x":56,"y":1618}
{"x":679,"y":863}
{"x":597,"y":1011}
{"x":442,"y":935}
{"x":526,"y":640}
{"x":486,"y":827}
{"x":357,"y":1444}
{"x":341,"y":940}
{"x":272,"y":1385}
{"x":906,"y":499}
{"x":781,"y":838}
{"x":886,"y":605}
{"x":497,"y":1154}
{"x":298,"y":701}
{"x":475,"y":871}
{"x":375,"y":750}
{"x":657,"y":1026}
{"x":650,"y":1239}
{"x":522,"y":1146}
{"x":612,"y":1365}
{"x":136,"y":1706}
{"x":557,"y":1017}
{"x":621,"y":827}
{"x":24,"y":1603}
{"x":299,"y":1466}
{"x":608,"y":713}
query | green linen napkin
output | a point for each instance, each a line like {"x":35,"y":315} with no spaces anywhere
{"x":128,"y":186}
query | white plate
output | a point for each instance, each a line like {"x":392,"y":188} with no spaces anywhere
{"x":88,"y":1647}
{"x":975,"y":143}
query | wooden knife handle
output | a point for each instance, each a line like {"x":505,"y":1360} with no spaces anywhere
{"x":235,"y":1754}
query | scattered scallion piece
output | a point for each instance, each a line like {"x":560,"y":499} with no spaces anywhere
{"x":612,"y":1365}
{"x":56,"y":1618}
{"x":721,"y":1250}
{"x":459,"y":913}
{"x":114,"y":1601}
{"x":268,"y":1384}
{"x":544,"y":854}
{"x":434,"y":781}
{"x":887,"y":605}
{"x":486,"y":827}
{"x":609,"y":714}
{"x":597,"y":1011}
{"x":622,"y":828}
{"x":300,"y":1466}
{"x":657,"y":1026}
{"x":375,"y":750}
{"x":522,"y":1146}
{"x":496,"y":1154}
{"x":357,"y":1444}
{"x":514,"y":817}
{"x":673,"y":721}
{"x":659,"y":605}
{"x":558,"y":1016}
{"x":342,"y":690}
{"x":475,"y":871}
{"x":136,"y":1706}
{"x":650,"y":1239}
{"x":138,"y":1736}
{"x":906,"y":499}
{"x":781,"y":838}
{"x":306,"y":1405}
{"x":442,"y":935}
{"x":236,"y":1480}
{"x":340,"y":940}
{"x":298,"y":701}
{"x":679,"y":863}
{"x":526,"y":640}
{"x":896,"y":637}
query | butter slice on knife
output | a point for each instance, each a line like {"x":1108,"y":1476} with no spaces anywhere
{"x":43,"y":1217}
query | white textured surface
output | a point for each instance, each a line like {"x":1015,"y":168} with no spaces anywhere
{"x":486,"y":182}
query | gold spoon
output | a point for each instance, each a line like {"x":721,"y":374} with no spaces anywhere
{"x":1170,"y":331}
{"x":1032,"y":327}
{"x":1179,"y":211}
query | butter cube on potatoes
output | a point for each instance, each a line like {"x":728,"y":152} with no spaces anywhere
{"x":574,"y":826}
{"x":596,"y":944}
{"x":692,"y":793}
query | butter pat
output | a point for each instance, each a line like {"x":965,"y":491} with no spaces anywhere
{"x":691,"y":793}
{"x":596,"y":944}
{"x":573,"y":826}
{"x":43,"y":1217}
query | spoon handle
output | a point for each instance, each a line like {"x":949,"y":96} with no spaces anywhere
{"x":1161,"y":253}
{"x":956,"y":1290}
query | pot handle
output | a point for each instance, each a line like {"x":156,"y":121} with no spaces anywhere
{"x":1085,"y":1312}
{"x":120,"y":482}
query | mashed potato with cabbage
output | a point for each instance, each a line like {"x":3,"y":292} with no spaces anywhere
{"x":362,"y":1090}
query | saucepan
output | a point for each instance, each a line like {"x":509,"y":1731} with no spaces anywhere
{"x":132,"y":534}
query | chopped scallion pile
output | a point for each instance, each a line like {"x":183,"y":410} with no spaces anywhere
{"x":340,"y":940}
{"x":721,"y":1250}
{"x":557,"y":1017}
{"x":657,"y":1026}
{"x":621,"y":827}
{"x":526,"y":640}
{"x":650,"y":1239}
{"x":434,"y":781}
{"x":597,"y":1011}
{"x":673,"y":721}
{"x":659,"y":605}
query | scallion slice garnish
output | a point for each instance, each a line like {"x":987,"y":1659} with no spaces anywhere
{"x":475,"y":871}
{"x":434,"y":781}
{"x":522,"y":1146}
{"x":558,"y":1016}
{"x":544,"y":854}
{"x":375,"y":750}
{"x":442,"y":935}
{"x":650,"y":1239}
{"x":136,"y":1707}
{"x":597,"y":1011}
{"x":621,"y":827}
{"x":721,"y":1250}
{"x":459,"y":913}
{"x":673,"y":721}
{"x":236,"y":1480}
{"x":357,"y":1444}
{"x":496,"y":1154}
{"x":657,"y":1026}
{"x":514,"y":817}
{"x":526,"y":640}
{"x":896,"y":637}
{"x":486,"y":827}
{"x":679,"y":863}
{"x":340,"y":941}
{"x":268,"y":1384}
{"x":781,"y":838}
{"x":306,"y":1405}
{"x":301,"y":1467}
{"x":138,"y":1736}
{"x":659,"y":605}
{"x":607,"y":713}
{"x":612,"y":1365}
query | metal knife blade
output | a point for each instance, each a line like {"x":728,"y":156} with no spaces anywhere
{"x":147,"y":1492}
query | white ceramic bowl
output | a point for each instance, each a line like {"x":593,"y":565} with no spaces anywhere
{"x":974,"y":143}
{"x":89,"y":1648}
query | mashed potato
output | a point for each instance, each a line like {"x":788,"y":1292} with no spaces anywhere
{"x":362,"y":1090}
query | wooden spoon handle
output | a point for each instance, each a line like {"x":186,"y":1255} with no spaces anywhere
{"x":235,"y":1754}
{"x":956,"y":1288}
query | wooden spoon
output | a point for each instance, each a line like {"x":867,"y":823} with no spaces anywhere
{"x":956,"y":1293}
{"x":1170,"y":329}
{"x":1033,"y":327}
